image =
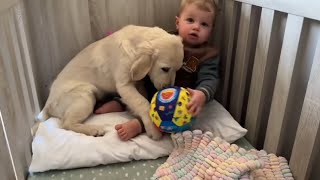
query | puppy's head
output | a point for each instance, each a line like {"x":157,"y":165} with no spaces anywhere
{"x":167,"y":60}
{"x":159,"y":58}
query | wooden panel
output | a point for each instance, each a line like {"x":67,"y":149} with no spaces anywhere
{"x":283,"y":82}
{"x":305,"y":147}
{"x":6,"y":4}
{"x":299,"y":82}
{"x":26,"y":63}
{"x":165,"y":12}
{"x":6,"y":168}
{"x":262,"y":56}
{"x":13,"y":116}
{"x":98,"y":19}
{"x":304,"y":8}
{"x":59,"y":30}
{"x":261,"y":92}
{"x":216,"y":36}
{"x":14,"y":91}
{"x":106,"y":17}
{"x":230,"y":13}
{"x":315,"y":173}
{"x":25,"y":98}
{"x":247,"y":26}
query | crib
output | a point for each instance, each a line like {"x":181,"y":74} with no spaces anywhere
{"x":270,"y":66}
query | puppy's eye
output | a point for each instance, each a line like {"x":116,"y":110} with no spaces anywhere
{"x":165,"y":69}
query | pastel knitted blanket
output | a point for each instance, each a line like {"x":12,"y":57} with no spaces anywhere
{"x":199,"y":155}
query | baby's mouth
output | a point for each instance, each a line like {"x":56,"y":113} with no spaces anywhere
{"x":194,"y":35}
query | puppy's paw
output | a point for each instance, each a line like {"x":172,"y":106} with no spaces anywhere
{"x":153,"y":132}
{"x":96,"y":131}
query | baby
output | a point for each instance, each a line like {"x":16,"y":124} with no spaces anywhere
{"x":199,"y":72}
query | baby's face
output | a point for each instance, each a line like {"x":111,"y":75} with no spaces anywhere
{"x":194,"y":25}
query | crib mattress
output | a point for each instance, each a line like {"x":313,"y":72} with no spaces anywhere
{"x":142,"y":169}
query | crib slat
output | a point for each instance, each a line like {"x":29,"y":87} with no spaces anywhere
{"x":240,"y":63}
{"x":230,"y":19}
{"x":283,"y":82}
{"x":255,"y":103}
{"x":304,"y":8}
{"x":305,"y":146}
{"x":25,"y":48}
{"x":248,"y":19}
{"x":6,"y":166}
{"x":13,"y":109}
{"x":22,"y":76}
{"x":5,"y":4}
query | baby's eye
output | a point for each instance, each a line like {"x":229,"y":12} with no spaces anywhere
{"x":165,"y":69}
{"x":190,"y":20}
{"x":205,"y":24}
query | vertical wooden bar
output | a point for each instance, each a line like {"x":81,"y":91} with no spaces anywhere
{"x":217,"y":35}
{"x":305,"y":147}
{"x":230,"y":20}
{"x":300,"y":78}
{"x":283,"y":82}
{"x":6,"y":167}
{"x":26,"y":51}
{"x":11,"y":113}
{"x":15,"y":105}
{"x":247,"y":26}
{"x":262,"y":55}
{"x":26,"y":102}
{"x":303,"y":8}
{"x":240,"y":62}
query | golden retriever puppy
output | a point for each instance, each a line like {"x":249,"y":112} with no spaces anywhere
{"x":115,"y":64}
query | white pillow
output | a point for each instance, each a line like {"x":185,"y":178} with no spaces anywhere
{"x":56,"y":148}
{"x":215,"y":118}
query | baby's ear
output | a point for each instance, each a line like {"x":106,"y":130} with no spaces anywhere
{"x":177,"y":22}
{"x":143,"y":61}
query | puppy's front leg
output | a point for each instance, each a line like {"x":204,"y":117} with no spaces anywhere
{"x":139,"y":105}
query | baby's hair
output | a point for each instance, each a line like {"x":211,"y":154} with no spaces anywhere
{"x":206,"y":5}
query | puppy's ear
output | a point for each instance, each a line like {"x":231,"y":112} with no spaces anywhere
{"x":143,"y":62}
{"x":128,"y":47}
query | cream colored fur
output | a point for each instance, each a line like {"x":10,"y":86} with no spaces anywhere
{"x":116,"y":63}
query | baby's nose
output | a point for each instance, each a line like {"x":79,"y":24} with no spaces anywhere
{"x":196,"y":26}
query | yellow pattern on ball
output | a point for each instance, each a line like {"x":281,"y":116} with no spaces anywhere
{"x":181,"y":114}
{"x":153,"y":113}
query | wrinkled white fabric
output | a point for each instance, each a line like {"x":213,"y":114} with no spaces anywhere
{"x":216,"y":119}
{"x":56,"y":148}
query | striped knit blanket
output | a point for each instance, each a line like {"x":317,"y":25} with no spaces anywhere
{"x":199,"y":155}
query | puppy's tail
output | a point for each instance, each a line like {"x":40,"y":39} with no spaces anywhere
{"x":42,"y":116}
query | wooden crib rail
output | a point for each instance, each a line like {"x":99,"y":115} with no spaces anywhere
{"x":270,"y":61}
{"x":305,"y":145}
{"x":303,"y":8}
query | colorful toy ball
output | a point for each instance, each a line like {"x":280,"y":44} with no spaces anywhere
{"x":168,"y":110}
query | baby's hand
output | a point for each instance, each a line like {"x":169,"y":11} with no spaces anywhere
{"x":198,"y":99}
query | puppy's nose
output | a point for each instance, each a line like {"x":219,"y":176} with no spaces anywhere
{"x":167,"y":85}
